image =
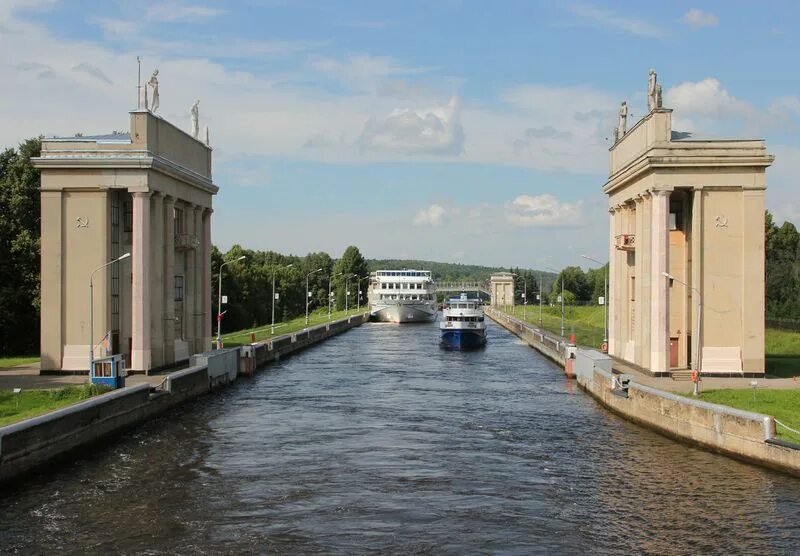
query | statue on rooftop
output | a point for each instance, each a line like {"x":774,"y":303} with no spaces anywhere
{"x":195,"y":119}
{"x":153,"y":83}
{"x":623,"y":118}
{"x":659,"y":100}
{"x":652,"y":99}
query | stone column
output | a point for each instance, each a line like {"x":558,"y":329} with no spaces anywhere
{"x":168,"y":287}
{"x":140,"y":290}
{"x":52,"y":307}
{"x":156,"y":280}
{"x":659,"y":284}
{"x":612,"y":282}
{"x":207,"y":331}
{"x":640,"y":270}
{"x":198,"y":284}
{"x":697,"y":268}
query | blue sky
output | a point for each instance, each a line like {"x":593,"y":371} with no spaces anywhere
{"x":460,"y":131}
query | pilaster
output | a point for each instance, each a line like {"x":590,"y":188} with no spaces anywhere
{"x":157,"y":279}
{"x":168,"y":286}
{"x":140,"y":302}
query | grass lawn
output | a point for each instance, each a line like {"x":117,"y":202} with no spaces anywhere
{"x":782,"y":347}
{"x":37,"y":402}
{"x":784,"y":405}
{"x":586,"y":321}
{"x":242,"y":337}
{"x":14,"y":360}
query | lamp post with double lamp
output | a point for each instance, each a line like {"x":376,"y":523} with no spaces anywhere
{"x":347,"y":291}
{"x":605,"y":301}
{"x":91,"y":306}
{"x":308,"y":293}
{"x":699,"y":347}
{"x":219,"y":299}
{"x":562,"y":297}
{"x":274,"y":298}
{"x":330,"y":291}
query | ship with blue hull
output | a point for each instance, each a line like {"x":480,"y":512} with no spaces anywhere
{"x":462,"y":325}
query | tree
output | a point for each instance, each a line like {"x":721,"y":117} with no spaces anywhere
{"x":19,"y":249}
{"x":349,"y":268}
{"x":782,"y":254}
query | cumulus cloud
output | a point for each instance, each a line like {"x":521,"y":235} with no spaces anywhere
{"x":706,"y":98}
{"x":430,"y":131}
{"x":608,"y":18}
{"x":699,"y":18}
{"x":430,"y":216}
{"x":543,"y":210}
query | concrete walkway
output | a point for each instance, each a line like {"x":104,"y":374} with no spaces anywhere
{"x":27,"y":377}
{"x":706,"y":383}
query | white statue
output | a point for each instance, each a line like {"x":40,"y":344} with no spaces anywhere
{"x":154,"y":85}
{"x":195,"y":119}
{"x":652,"y":100}
{"x":623,"y":118}
{"x":208,"y":137}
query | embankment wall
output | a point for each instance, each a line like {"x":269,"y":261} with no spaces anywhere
{"x":739,"y":434}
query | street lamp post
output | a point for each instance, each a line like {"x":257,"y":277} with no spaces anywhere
{"x":605,"y":300}
{"x":219,"y":299}
{"x":274,"y":299}
{"x":524,"y":294}
{"x":330,"y":291}
{"x":562,"y":298}
{"x":540,"y":299}
{"x":347,"y":291}
{"x":699,"y":345}
{"x":358,"y":306}
{"x":308,"y":293}
{"x":91,"y":306}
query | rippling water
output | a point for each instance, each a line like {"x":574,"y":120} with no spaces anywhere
{"x":379,"y":441}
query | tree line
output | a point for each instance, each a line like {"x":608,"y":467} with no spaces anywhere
{"x":248,"y":283}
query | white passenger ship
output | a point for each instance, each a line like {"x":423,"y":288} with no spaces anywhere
{"x":462,"y":324}
{"x":402,"y":296}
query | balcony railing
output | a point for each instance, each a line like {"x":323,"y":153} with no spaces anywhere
{"x":626,"y":242}
{"x":186,"y":242}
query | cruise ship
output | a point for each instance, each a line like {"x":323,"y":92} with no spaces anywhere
{"x":462,"y":324}
{"x":402,"y":296}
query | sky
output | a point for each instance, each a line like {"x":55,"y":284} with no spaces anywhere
{"x":450,"y":130}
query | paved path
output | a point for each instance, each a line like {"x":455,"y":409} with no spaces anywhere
{"x":707,"y":383}
{"x":28,"y":377}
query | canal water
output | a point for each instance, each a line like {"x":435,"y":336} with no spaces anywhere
{"x":380,"y":441}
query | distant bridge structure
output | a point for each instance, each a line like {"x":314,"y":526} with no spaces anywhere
{"x":459,"y":287}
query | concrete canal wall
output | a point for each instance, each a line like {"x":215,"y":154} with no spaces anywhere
{"x":740,"y":434}
{"x":33,"y":442}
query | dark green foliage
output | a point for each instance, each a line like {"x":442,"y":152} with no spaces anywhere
{"x":782,"y":251}
{"x":348,"y":270}
{"x":19,"y":249}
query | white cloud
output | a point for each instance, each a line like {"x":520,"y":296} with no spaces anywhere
{"x":92,"y":71}
{"x":543,"y":210}
{"x":174,"y":10}
{"x":430,"y":216}
{"x":699,"y":18}
{"x":706,"y":98}
{"x":608,"y":18}
{"x":430,"y":131}
{"x":362,"y":72}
